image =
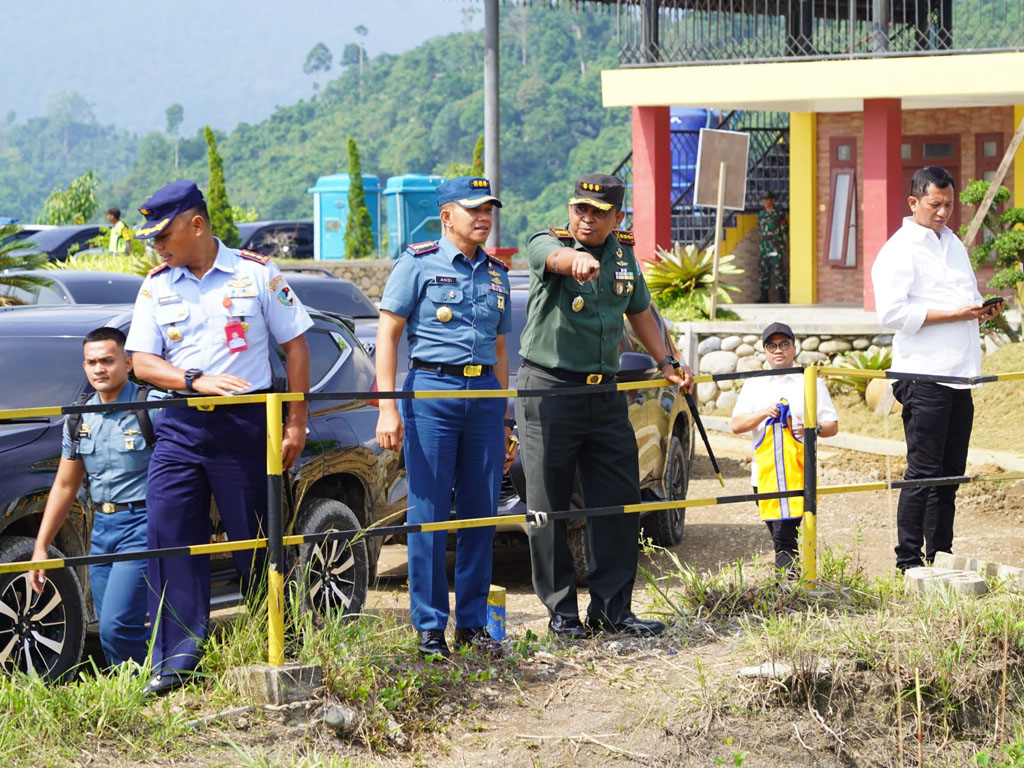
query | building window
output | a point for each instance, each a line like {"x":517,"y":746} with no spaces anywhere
{"x":841,"y":242}
{"x":988,"y":154}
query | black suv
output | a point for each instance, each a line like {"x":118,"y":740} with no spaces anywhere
{"x":342,"y":480}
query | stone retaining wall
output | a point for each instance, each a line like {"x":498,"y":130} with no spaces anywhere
{"x":369,"y":274}
{"x":726,"y":353}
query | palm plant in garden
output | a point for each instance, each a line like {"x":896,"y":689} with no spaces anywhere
{"x":11,"y":259}
{"x":681,"y":281}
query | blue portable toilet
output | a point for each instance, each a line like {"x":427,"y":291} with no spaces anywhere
{"x":330,"y":213}
{"x":412,"y":210}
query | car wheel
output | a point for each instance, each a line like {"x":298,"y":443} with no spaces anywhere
{"x":40,"y":635}
{"x":333,"y":574}
{"x":665,"y":527}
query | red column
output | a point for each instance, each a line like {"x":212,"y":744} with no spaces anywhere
{"x":652,"y":180}
{"x":884,"y":198}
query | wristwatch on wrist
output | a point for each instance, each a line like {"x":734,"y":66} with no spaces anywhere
{"x":668,"y":360}
{"x":510,"y":423}
{"x":190,"y":376}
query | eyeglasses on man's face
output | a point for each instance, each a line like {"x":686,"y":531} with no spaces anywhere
{"x":771,"y":346}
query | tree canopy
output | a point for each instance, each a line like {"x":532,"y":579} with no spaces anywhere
{"x":414,"y":113}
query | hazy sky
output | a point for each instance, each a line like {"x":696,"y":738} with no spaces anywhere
{"x":224,"y":61}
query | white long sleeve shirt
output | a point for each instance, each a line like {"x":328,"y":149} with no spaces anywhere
{"x":917,"y":270}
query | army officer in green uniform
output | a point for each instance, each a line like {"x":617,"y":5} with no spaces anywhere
{"x":582,"y":281}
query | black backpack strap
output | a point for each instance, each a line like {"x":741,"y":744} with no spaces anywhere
{"x":145,"y":423}
{"x":74,"y":423}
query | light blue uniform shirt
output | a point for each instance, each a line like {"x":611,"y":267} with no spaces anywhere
{"x":182,"y":319}
{"x":114,"y":450}
{"x":454,"y":308}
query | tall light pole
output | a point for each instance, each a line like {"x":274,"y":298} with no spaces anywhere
{"x":492,"y":121}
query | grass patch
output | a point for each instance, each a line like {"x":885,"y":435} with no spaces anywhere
{"x":940,"y":676}
{"x":369,"y":664}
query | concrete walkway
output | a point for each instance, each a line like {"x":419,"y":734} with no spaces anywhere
{"x":1009,"y":462}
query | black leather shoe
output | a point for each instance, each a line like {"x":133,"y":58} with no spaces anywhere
{"x":569,"y":628}
{"x":477,"y":638}
{"x":432,"y":643}
{"x":163,"y":683}
{"x":630,"y":625}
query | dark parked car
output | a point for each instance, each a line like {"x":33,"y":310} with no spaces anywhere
{"x":74,"y":286}
{"x":323,"y":290}
{"x":661,"y":422}
{"x":278,"y":239}
{"x":342,"y":480}
{"x":55,"y":242}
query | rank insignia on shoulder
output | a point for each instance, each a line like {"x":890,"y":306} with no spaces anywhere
{"x":259,"y":258}
{"x":497,"y":263}
{"x":158,"y":269}
{"x":418,"y":249}
{"x":624,"y":236}
{"x":561,"y":233}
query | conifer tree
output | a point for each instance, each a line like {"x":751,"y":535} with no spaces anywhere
{"x":358,"y":227}
{"x":222,"y":224}
{"x":478,"y":157}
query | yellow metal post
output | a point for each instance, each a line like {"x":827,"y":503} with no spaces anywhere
{"x":275,"y":547}
{"x":809,"y":534}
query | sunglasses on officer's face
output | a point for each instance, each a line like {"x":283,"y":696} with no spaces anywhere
{"x":771,"y":346}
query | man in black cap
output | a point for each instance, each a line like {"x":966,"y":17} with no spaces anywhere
{"x":778,"y":402}
{"x":583,"y":280}
{"x":202,"y":326}
{"x":773,"y":228}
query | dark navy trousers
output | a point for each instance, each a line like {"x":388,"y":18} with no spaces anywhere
{"x":223,"y":452}
{"x":448,"y":443}
{"x":119,"y":589}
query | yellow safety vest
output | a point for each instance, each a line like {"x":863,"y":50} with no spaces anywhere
{"x":779,"y":458}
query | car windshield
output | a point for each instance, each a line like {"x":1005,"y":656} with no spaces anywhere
{"x":48,"y":238}
{"x":88,"y":289}
{"x":39,"y":371}
{"x":334,"y":296}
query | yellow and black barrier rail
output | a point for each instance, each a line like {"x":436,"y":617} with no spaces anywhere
{"x":276,"y":541}
{"x":528,"y":518}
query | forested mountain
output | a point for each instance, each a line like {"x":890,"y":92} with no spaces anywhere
{"x":414,"y":113}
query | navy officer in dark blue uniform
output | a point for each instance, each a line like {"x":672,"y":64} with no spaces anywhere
{"x":202,"y":325}
{"x":453,"y":301}
{"x":112,"y":450}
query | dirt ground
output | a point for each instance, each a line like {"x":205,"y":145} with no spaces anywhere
{"x":617,"y":702}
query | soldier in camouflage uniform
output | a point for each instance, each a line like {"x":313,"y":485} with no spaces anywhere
{"x":773,"y":227}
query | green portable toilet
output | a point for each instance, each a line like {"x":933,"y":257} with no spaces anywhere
{"x":330,"y":212}
{"x":413,"y":217}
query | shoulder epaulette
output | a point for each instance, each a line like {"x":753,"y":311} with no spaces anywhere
{"x":157,"y":269}
{"x":418,"y":249}
{"x":259,"y":258}
{"x":561,"y":233}
{"x":498,"y":263}
{"x":624,"y":236}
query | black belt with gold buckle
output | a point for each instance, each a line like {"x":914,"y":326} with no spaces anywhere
{"x":574,"y":377}
{"x":466,"y":371}
{"x":110,"y":507}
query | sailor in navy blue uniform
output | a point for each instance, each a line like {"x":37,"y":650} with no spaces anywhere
{"x":202,"y":325}
{"x":112,"y":450}
{"x":453,"y":301}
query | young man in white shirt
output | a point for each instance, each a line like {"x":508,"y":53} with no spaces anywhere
{"x":926,"y":290}
{"x":759,"y":401}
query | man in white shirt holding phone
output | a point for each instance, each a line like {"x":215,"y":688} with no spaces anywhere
{"x":926,"y":290}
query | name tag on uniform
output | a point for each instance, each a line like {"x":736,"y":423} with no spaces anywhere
{"x":445,"y":280}
{"x":172,"y":299}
